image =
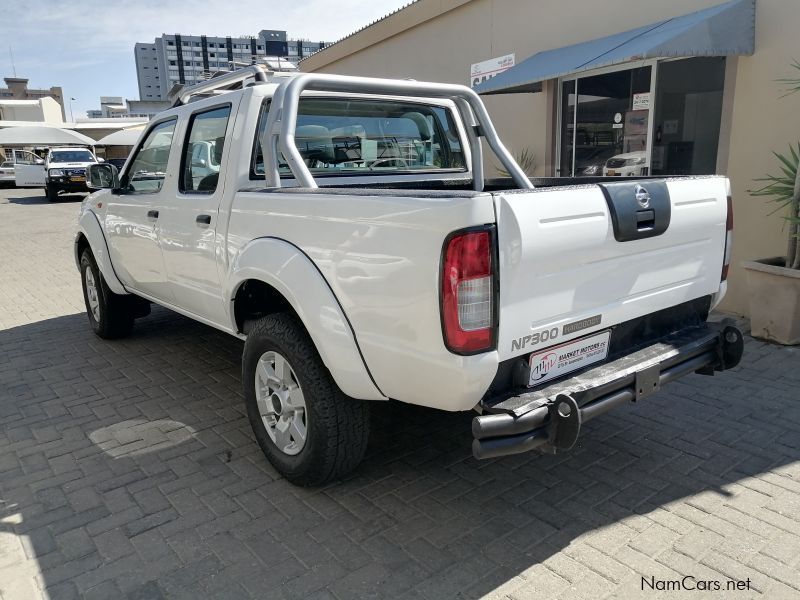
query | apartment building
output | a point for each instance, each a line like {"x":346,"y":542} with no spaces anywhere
{"x":187,"y":59}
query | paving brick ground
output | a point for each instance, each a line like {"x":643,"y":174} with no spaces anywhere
{"x":128,"y":469}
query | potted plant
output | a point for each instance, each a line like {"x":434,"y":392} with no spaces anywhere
{"x":775,"y":282}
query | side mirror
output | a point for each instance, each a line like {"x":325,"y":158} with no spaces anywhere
{"x":101,"y":160}
{"x":39,"y":161}
{"x":102,"y":176}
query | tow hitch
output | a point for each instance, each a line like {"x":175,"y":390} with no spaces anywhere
{"x":549,"y":419}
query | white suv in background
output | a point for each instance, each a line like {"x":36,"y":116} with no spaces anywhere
{"x":630,"y":164}
{"x":65,"y":170}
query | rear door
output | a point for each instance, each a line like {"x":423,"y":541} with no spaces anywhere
{"x":133,"y":214}
{"x":188,"y":225}
{"x":576,"y":260}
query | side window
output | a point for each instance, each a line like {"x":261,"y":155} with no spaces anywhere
{"x":202,"y":152}
{"x":149,"y":166}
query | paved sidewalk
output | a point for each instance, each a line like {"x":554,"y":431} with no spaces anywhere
{"x":128,"y":469}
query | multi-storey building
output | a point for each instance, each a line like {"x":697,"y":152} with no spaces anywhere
{"x":17,"y":89}
{"x":115,"y":107}
{"x":187,"y":59}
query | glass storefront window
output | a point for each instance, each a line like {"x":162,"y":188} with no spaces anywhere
{"x":688,"y":110}
{"x":605,"y":131}
{"x":606,"y":120}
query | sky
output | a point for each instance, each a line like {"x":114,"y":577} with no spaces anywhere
{"x":86,"y":46}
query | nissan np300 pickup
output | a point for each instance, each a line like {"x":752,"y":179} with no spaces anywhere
{"x":350,"y":238}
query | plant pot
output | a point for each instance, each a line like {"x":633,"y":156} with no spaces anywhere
{"x":774,"y":300}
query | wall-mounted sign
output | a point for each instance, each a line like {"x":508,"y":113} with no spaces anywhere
{"x":670,"y":126}
{"x":480,"y":72}
{"x":641,"y":101}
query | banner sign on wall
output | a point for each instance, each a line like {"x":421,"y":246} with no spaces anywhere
{"x":480,"y":72}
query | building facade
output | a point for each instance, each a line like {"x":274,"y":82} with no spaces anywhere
{"x":115,"y":107}
{"x":14,"y":113}
{"x":188,"y":59}
{"x":697,"y":93}
{"x":17,"y":89}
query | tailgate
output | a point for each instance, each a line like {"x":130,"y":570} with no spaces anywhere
{"x":579,"y":259}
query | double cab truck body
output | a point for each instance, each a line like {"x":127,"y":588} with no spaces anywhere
{"x":349,"y":236}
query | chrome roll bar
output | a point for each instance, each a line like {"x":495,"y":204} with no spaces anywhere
{"x":257,"y":72}
{"x":280,"y":128}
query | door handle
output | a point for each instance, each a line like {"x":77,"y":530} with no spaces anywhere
{"x":203,"y":220}
{"x":152,"y":214}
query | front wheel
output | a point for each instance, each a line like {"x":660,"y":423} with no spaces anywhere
{"x":306,"y":426}
{"x":51,"y":193}
{"x":110,"y":314}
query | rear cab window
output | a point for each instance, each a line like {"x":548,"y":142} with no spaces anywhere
{"x":348,"y":136}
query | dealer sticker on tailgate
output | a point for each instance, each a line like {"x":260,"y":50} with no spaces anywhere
{"x":558,"y":360}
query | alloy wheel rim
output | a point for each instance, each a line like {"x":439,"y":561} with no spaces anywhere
{"x":91,"y":294}
{"x":281,"y":403}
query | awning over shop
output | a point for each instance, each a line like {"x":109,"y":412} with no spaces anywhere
{"x":724,"y":30}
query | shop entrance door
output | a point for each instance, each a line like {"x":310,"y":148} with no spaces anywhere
{"x":605,"y":124}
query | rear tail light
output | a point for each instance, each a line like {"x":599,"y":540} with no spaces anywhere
{"x":468,"y":292}
{"x":726,"y":263}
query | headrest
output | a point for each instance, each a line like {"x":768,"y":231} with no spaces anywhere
{"x":219,"y":145}
{"x":349,"y":131}
{"x":422,"y":124}
{"x":314,"y":141}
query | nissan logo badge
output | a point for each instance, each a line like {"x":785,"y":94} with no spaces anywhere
{"x":642,"y":196}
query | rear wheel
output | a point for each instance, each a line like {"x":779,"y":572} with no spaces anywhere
{"x":110,"y":315}
{"x":307,"y":427}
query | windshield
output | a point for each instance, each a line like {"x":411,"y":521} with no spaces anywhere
{"x":347,"y":136}
{"x":67,"y":156}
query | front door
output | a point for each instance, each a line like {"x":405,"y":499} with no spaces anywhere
{"x":133,"y":215}
{"x":29,"y":175}
{"x":188,"y":226}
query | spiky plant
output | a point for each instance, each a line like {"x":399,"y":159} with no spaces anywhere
{"x":525,"y":159}
{"x":784,"y":191}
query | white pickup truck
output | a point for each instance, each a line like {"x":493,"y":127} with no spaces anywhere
{"x":351,"y":239}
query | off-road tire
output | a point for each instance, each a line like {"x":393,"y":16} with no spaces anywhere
{"x":337,"y":425}
{"x":51,"y":193}
{"x":116,"y":311}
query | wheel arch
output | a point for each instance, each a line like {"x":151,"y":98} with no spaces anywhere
{"x":270,"y":275}
{"x":90,"y":235}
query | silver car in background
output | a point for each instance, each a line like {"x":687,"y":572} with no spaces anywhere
{"x":7,"y":173}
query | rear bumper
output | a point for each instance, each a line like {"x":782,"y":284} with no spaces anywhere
{"x":550,"y":418}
